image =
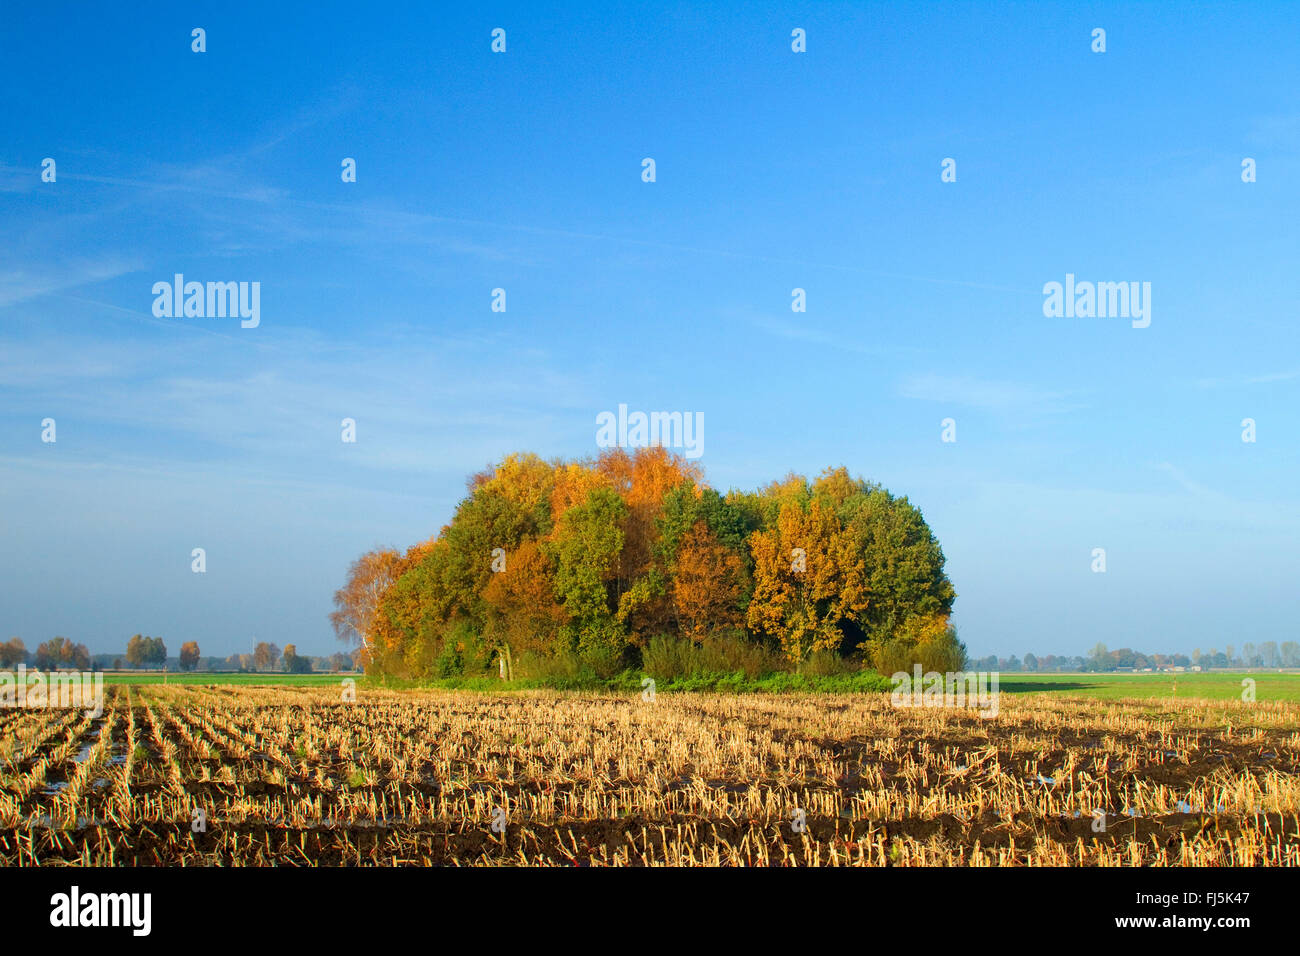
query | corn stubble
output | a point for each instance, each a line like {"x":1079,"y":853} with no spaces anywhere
{"x":293,"y":776}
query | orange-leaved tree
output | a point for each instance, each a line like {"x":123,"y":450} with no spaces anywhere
{"x":523,"y":613}
{"x":707,"y":584}
{"x":189,"y":657}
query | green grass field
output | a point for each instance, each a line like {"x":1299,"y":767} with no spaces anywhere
{"x":1269,"y":686}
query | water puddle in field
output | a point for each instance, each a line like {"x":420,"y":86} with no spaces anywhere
{"x":117,"y":752}
{"x":89,"y":739}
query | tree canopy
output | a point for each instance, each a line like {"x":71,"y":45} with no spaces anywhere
{"x":189,"y":656}
{"x":142,"y":650}
{"x":61,"y":652}
{"x":596,"y":557}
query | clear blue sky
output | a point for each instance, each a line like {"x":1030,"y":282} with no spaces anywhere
{"x":775,"y":170}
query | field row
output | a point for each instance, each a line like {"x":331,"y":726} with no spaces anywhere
{"x":294,"y":775}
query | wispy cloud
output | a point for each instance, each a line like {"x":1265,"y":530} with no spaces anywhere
{"x":23,"y":283}
{"x":279,"y":401}
{"x":1183,"y":481}
{"x":1268,"y":378}
{"x":988,"y":395}
{"x":815,"y":335}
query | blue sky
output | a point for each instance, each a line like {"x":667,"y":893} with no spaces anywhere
{"x":775,"y":170}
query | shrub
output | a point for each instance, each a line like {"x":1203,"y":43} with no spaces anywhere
{"x":564,"y":665}
{"x":890,"y":657}
{"x":932,"y":643}
{"x":450,"y":661}
{"x":669,"y":657}
{"x":459,"y":651}
{"x":943,"y":654}
{"x":824,"y":663}
{"x":731,"y":651}
{"x":601,"y":659}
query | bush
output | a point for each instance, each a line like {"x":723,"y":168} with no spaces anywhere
{"x":941,"y":652}
{"x":733,"y":652}
{"x":460,"y":651}
{"x":563,"y":665}
{"x":601,"y":659}
{"x":669,"y":657}
{"x":824,"y":663}
{"x":891,"y":657}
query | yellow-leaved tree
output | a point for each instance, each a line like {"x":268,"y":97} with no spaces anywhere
{"x":808,"y":577}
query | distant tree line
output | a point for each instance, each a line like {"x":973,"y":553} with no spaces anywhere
{"x":57,"y":652}
{"x":1268,"y":654}
{"x":151,"y":652}
{"x":267,"y":657}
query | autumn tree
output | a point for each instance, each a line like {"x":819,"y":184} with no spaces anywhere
{"x":61,"y":652}
{"x":142,"y":651}
{"x":573,"y":481}
{"x":13,"y":652}
{"x":928,"y":639}
{"x":731,"y":518}
{"x":708,"y":582}
{"x":393,"y":615}
{"x":651,"y":473}
{"x":265,"y":656}
{"x":293,"y":664}
{"x":528,"y":483}
{"x":523,"y":612}
{"x":808,"y":580}
{"x":135,"y":650}
{"x":356,"y":604}
{"x":438,"y":604}
{"x":189,"y":656}
{"x":49,"y":653}
{"x":645,"y":603}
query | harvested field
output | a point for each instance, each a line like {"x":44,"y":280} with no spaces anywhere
{"x":295,"y":776}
